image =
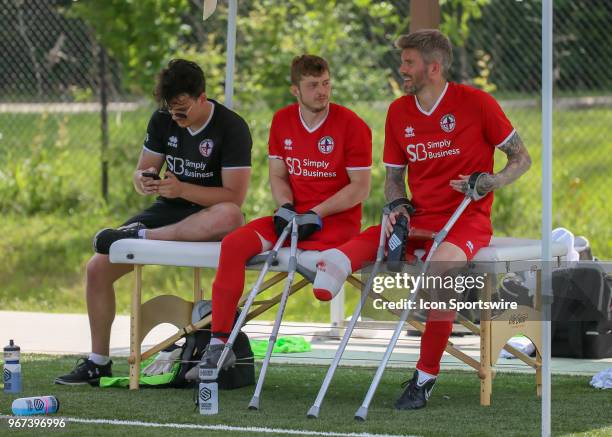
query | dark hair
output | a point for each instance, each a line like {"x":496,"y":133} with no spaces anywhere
{"x":307,"y":65}
{"x":431,"y":44}
{"x":179,"y":77}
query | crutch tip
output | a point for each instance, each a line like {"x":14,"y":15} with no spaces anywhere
{"x":313,"y":413}
{"x":254,"y":404}
{"x":361,"y":414}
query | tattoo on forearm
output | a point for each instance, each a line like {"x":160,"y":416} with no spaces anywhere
{"x":395,"y":183}
{"x":518,"y":163}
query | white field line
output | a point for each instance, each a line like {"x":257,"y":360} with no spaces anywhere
{"x":249,"y":429}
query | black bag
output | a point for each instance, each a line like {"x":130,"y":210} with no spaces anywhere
{"x":241,"y":375}
{"x":581,"y":313}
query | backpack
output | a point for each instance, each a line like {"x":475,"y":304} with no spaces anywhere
{"x":241,"y":375}
{"x":581,"y":313}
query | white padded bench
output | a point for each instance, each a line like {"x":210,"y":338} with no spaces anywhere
{"x":503,"y":255}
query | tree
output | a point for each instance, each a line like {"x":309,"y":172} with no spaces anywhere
{"x":138,"y":34}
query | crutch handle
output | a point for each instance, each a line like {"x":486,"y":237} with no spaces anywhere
{"x":416,"y":234}
{"x":472,"y":192}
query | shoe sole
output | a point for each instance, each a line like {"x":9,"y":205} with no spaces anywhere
{"x":62,"y":382}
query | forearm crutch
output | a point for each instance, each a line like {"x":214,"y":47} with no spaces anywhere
{"x":254,"y":404}
{"x":471,"y":194}
{"x":313,"y":412}
{"x":271,"y":256}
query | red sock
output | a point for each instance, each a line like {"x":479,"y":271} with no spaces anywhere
{"x":438,"y":329}
{"x":361,"y":250}
{"x":236,"y":250}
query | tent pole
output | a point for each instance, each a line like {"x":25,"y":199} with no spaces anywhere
{"x":547,"y":134}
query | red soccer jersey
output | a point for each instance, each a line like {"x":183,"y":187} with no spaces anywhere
{"x":317,"y":160}
{"x":458,"y":136}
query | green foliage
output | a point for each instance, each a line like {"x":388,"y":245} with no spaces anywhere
{"x":457,"y":17}
{"x":137,"y":33}
{"x":271,"y":34}
{"x":142,"y":35}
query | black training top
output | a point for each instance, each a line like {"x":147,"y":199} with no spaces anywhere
{"x":197,"y":157}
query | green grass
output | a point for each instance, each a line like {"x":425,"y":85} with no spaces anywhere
{"x":51,"y":206}
{"x":577,"y":409}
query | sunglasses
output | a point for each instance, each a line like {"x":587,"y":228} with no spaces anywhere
{"x":182,"y":115}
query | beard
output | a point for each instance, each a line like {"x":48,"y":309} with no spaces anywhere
{"x":320,"y":107}
{"x":417,"y":83}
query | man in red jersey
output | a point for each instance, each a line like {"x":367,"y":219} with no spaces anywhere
{"x":320,"y":156}
{"x":442,"y":132}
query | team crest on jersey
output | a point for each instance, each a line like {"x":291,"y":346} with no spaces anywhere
{"x":173,"y":141}
{"x":326,"y":145}
{"x":288,"y":144}
{"x":447,"y":122}
{"x":409,"y":132}
{"x":206,"y":147}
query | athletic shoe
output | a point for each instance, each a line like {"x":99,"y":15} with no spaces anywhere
{"x":210,"y":359}
{"x":415,"y":396}
{"x":104,"y":238}
{"x":85,"y":372}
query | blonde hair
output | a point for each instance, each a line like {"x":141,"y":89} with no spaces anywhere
{"x":431,"y":44}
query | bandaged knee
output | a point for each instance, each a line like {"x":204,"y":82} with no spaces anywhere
{"x":332,"y":270}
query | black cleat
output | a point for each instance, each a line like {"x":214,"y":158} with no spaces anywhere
{"x":85,"y":372}
{"x":415,"y":396}
{"x":104,"y":238}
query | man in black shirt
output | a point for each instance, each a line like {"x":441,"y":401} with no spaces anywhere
{"x":207,"y":151}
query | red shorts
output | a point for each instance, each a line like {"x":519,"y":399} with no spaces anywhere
{"x":465,"y":234}
{"x":333,"y":234}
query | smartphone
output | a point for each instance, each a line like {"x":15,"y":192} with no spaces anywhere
{"x":148,"y":174}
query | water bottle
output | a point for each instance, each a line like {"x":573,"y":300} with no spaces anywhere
{"x":208,"y":391}
{"x":397,"y":244}
{"x":12,"y":369}
{"x":35,"y":405}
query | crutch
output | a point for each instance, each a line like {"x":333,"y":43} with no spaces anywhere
{"x":470,"y":195}
{"x":270,"y":258}
{"x":254,"y":404}
{"x":388,"y":209}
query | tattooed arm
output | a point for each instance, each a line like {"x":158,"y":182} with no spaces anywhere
{"x":395,"y":183}
{"x":518,"y":163}
{"x":395,"y":188}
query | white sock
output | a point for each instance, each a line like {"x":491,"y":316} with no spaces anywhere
{"x":424,"y":377}
{"x":215,"y":340}
{"x":332,"y":270}
{"x":142,"y":234}
{"x":100,"y":360}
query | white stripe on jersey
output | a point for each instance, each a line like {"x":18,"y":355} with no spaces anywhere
{"x":394,"y":165}
{"x":153,"y":152}
{"x":507,"y":138}
{"x":359,"y":168}
{"x":275,"y":157}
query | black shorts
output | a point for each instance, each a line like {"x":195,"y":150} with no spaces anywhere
{"x":164,"y":213}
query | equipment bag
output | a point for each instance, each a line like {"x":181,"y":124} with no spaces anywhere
{"x":240,"y":375}
{"x":581,"y":313}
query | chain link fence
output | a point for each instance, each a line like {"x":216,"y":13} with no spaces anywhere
{"x":71,"y":125}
